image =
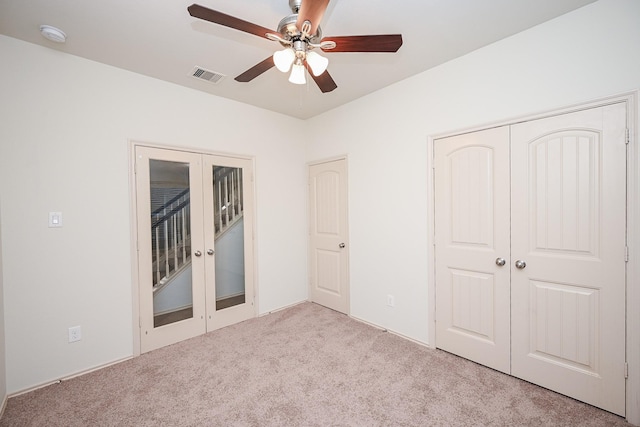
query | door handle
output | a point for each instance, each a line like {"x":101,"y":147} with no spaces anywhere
{"x":341,"y":245}
{"x":520,"y":264}
{"x":210,"y":251}
{"x":500,"y":262}
{"x":197,"y":253}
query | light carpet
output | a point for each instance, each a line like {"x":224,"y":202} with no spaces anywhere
{"x":303,"y":366}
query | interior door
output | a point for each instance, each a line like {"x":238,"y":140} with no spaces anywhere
{"x":171,"y":279}
{"x":328,"y":230}
{"x":228,"y":201}
{"x":195,"y":243}
{"x":472,"y":246}
{"x":568,"y":234}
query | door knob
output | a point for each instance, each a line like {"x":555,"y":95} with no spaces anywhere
{"x":500,"y":262}
{"x":341,"y":245}
{"x":197,"y":253}
{"x":520,"y":264}
{"x":210,"y":251}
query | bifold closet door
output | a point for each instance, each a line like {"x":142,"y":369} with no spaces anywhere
{"x":472,"y":246}
{"x":568,"y":230}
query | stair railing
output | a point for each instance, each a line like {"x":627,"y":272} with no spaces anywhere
{"x":228,"y":201}
{"x":171,"y":236}
{"x":170,"y":226}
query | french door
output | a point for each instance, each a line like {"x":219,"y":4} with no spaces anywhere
{"x":530,"y":251}
{"x":195,"y":243}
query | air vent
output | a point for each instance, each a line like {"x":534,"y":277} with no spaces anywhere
{"x":209,"y":76}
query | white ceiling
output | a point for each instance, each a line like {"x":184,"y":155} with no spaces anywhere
{"x":161,"y":40}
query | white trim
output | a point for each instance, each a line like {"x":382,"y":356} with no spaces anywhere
{"x":4,"y":405}
{"x":283,"y":308}
{"x":133,"y":221}
{"x":373,"y":325}
{"x":67,"y":377}
{"x":633,"y":233}
{"x":633,"y":266}
{"x":431,"y":245}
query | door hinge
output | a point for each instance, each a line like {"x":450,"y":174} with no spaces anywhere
{"x":140,"y":322}
{"x":628,"y":136}
{"x":626,"y":254}
{"x":626,"y":370}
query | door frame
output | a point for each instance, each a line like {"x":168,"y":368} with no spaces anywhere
{"x":633,"y":232}
{"x":308,"y":169}
{"x":133,"y":222}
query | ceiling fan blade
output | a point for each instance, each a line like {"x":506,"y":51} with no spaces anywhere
{"x":256,"y":70}
{"x":312,"y":11}
{"x":324,"y":81}
{"x":220,"y":18}
{"x":374,"y":43}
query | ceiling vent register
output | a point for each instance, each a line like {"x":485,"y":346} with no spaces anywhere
{"x":206,"y":75}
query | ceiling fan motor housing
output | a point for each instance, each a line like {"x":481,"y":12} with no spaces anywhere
{"x":287,"y":28}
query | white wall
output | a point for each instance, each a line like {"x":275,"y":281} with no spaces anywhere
{"x":587,"y":54}
{"x":66,"y":123}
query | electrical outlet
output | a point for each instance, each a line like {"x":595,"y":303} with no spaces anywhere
{"x":75,"y":334}
{"x":391,"y":301}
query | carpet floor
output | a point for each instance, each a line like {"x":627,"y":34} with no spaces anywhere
{"x":303,"y":366}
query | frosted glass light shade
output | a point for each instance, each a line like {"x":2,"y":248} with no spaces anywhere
{"x":317,"y":63}
{"x":283,"y":59}
{"x":297,"y":75}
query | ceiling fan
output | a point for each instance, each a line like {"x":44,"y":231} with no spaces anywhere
{"x":300,"y":33}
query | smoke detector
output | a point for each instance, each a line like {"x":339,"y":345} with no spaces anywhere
{"x":52,"y":33}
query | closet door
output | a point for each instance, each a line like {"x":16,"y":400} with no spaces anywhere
{"x":472,"y":246}
{"x":568,"y":254}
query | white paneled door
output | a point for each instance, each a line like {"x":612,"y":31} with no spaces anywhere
{"x":472,"y":241}
{"x":328,"y":235}
{"x":558,"y":221}
{"x":568,"y":225}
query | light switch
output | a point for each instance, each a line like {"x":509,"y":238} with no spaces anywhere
{"x":55,"y":219}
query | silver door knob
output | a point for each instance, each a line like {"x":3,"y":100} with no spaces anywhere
{"x":500,"y":262}
{"x":341,"y":245}
{"x":520,"y":264}
{"x":210,"y":251}
{"x":197,"y":253}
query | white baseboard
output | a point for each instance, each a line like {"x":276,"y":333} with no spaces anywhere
{"x":422,"y":343}
{"x":4,"y":405}
{"x":66,"y":378}
{"x":282,"y":308}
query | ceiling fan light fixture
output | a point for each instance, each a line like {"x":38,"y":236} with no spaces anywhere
{"x":297,"y":74}
{"x":317,"y":63}
{"x":283,"y":59}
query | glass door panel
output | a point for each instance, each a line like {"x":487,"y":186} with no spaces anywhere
{"x":228,"y":218}
{"x":170,"y":242}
